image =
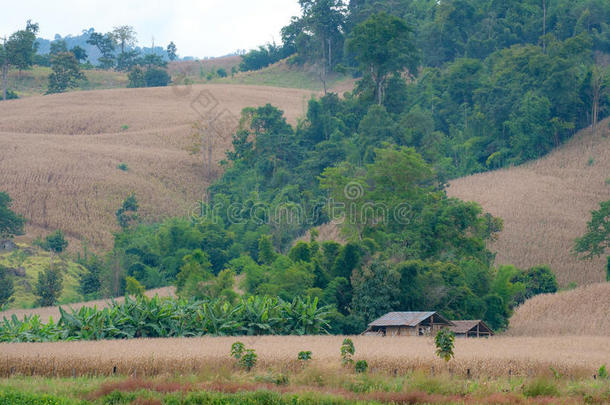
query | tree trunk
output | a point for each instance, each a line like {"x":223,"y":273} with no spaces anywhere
{"x":543,"y":26}
{"x":4,"y":81}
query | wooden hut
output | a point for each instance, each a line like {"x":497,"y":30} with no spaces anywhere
{"x":474,"y":328}
{"x":408,"y":324}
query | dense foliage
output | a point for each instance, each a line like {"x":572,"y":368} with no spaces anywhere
{"x":143,"y":317}
{"x":11,"y":224}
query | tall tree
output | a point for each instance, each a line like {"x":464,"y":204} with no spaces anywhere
{"x":105,"y":44}
{"x":6,"y":287}
{"x":11,"y":224}
{"x":124,"y":36}
{"x":597,"y":239}
{"x":171,"y":51}
{"x":18,"y":51}
{"x":383,"y":45}
{"x":49,"y":285}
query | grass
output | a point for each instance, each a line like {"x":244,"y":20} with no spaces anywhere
{"x":581,"y":311}
{"x":337,"y":388}
{"x":276,"y":75}
{"x":498,"y":357}
{"x":35,"y":261}
{"x":546,"y":204}
{"x":60,"y":153}
{"x":36,"y":80}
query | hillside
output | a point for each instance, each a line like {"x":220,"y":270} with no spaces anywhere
{"x":545,"y":204}
{"x":60,"y":154}
{"x":25,"y":264}
{"x":582,"y":311}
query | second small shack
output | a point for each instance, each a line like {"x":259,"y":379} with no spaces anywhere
{"x":408,"y":324}
{"x":474,"y":328}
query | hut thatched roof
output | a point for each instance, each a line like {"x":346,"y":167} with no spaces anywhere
{"x":463,"y":327}
{"x":407,"y":319}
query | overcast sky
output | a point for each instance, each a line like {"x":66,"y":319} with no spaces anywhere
{"x":198,"y":28}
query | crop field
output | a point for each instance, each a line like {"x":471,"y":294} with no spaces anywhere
{"x":495,"y":357}
{"x":546,"y":204}
{"x":61,"y":154}
{"x":582,"y":311}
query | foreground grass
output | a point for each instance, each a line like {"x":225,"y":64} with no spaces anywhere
{"x":310,"y":385}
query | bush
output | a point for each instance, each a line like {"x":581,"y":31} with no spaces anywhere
{"x":133,"y":287}
{"x":347,"y":351}
{"x":540,"y":387}
{"x":304,"y":356}
{"x":10,"y":95}
{"x":237,"y":350}
{"x":136,"y":77}
{"x":156,"y":77}
{"x":55,"y":242}
{"x":248,"y":359}
{"x":221,"y":72}
{"x":123,"y":167}
{"x":362,"y":366}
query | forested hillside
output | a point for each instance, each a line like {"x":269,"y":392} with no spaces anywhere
{"x":444,"y":89}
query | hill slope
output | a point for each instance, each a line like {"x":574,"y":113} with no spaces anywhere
{"x":546,"y":204}
{"x":582,"y":311}
{"x":60,"y":154}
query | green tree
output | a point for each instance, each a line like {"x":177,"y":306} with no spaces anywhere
{"x":125,"y":37}
{"x":444,"y":342}
{"x":55,"y":242}
{"x":171,"y":51}
{"x":266,"y":252}
{"x":133,"y":287}
{"x":66,"y":73}
{"x":79,"y":53}
{"x":195,"y":270}
{"x":128,"y":213}
{"x":49,"y":285}
{"x":105,"y":45}
{"x":383,"y":45}
{"x":6,"y":287}
{"x":137,"y":77}
{"x":596,"y":240}
{"x":18,"y":51}
{"x":11,"y":224}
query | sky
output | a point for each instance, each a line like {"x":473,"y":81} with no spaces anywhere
{"x":203,"y":28}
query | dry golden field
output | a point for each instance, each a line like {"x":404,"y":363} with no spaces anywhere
{"x":59,"y":154}
{"x":495,"y":357}
{"x":546,"y":204}
{"x":582,"y":311}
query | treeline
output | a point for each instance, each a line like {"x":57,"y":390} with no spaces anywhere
{"x":114,"y":50}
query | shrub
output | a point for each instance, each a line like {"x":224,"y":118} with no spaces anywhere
{"x":248,"y":359}
{"x":603,"y":373}
{"x":237,"y":350}
{"x":347,"y":351}
{"x":304,"y":355}
{"x":55,"y":242}
{"x":156,"y":77}
{"x":136,"y":77}
{"x":123,"y":167}
{"x":362,"y":366}
{"x":444,"y":342}
{"x":221,"y":72}
{"x":540,"y":387}
{"x":133,"y":287}
{"x":10,"y":95}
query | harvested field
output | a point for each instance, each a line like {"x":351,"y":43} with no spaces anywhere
{"x":495,"y":357}
{"x":546,"y":204}
{"x":60,"y":154}
{"x":582,"y":311}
